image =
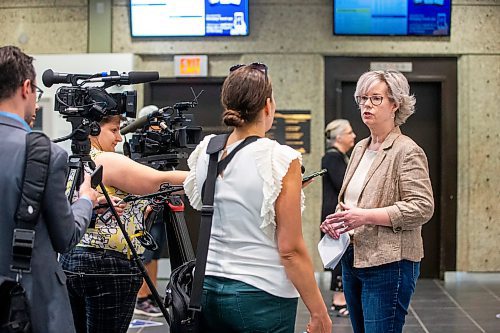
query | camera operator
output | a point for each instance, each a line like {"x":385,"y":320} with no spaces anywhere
{"x":103,"y":279}
{"x":60,"y":225}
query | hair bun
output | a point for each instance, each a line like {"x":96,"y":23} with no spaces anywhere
{"x":232,"y":118}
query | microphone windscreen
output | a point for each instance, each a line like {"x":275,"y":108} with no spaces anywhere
{"x":135,"y":125}
{"x":49,"y":78}
{"x":142,"y":77}
{"x":147,"y":110}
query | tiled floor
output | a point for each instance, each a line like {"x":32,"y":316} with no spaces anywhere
{"x":465,"y":303}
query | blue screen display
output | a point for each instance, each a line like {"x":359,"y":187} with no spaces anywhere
{"x":178,"y":18}
{"x":392,"y":17}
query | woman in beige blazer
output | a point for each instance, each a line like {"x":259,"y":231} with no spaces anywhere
{"x":385,"y":199}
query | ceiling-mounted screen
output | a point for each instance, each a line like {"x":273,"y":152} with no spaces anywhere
{"x":183,"y":18}
{"x":392,"y":17}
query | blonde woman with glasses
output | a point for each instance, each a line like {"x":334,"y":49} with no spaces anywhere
{"x":385,"y":199}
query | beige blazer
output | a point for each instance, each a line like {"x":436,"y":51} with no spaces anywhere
{"x":398,"y":180}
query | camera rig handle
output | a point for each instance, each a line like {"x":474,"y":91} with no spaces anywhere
{"x":156,"y":196}
{"x":170,"y":189}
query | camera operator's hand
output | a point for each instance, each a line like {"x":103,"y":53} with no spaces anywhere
{"x":87,"y":190}
{"x":117,"y":203}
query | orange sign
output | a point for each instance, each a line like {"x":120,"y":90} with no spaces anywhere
{"x":191,"y":65}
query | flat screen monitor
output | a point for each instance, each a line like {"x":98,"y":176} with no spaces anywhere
{"x":188,"y":18}
{"x":392,"y":17}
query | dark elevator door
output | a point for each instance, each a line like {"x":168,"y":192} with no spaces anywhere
{"x":425,"y":127}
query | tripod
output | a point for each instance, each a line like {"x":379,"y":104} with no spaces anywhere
{"x":174,"y":224}
{"x":80,"y":161}
{"x":178,"y":240}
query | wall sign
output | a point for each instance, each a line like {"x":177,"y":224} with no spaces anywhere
{"x":292,"y":128}
{"x":191,"y":65}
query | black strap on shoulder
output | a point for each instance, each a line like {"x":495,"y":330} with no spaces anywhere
{"x":35,"y":176}
{"x":36,"y":172}
{"x":215,"y":145}
{"x":223,"y":163}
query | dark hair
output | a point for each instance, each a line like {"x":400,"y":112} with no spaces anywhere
{"x":110,"y":118}
{"x":244,"y":93}
{"x":15,"y":68}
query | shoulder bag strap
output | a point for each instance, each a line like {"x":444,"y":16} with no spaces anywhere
{"x":34,"y":180}
{"x":207,"y":211}
{"x":36,"y":172}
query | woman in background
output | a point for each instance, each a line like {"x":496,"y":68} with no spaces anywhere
{"x":339,"y":140}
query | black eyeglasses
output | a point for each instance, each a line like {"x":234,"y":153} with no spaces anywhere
{"x":255,"y":65}
{"x":38,"y":91}
{"x":375,"y":100}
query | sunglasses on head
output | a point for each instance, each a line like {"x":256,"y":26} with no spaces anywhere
{"x":254,"y":65}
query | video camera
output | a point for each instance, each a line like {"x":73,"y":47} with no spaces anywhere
{"x":93,"y":103}
{"x":159,"y":136}
{"x":83,"y":104}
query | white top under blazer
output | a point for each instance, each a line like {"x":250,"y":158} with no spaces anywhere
{"x":243,"y":243}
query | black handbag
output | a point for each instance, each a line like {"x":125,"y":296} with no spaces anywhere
{"x":14,"y":308}
{"x":184,"y":291}
{"x":177,"y":299}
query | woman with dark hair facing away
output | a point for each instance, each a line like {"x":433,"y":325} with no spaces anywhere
{"x":257,"y":263}
{"x":103,"y":278}
{"x":385,"y":199}
{"x":339,"y":140}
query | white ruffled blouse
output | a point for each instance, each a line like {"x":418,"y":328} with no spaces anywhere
{"x":243,"y":245}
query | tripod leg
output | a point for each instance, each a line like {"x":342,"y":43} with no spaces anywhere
{"x":174,"y":247}
{"x":179,"y":242}
{"x":136,"y":257}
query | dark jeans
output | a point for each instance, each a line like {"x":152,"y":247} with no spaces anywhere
{"x":100,"y":302}
{"x":378,"y":297}
{"x":233,"y":306}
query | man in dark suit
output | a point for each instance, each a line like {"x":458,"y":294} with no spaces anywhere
{"x":60,"y":226}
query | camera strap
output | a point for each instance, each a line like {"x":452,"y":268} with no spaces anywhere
{"x":216,"y":144}
{"x":33,"y":187}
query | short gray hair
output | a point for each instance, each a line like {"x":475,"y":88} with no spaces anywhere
{"x":334,"y":129}
{"x":398,"y":91}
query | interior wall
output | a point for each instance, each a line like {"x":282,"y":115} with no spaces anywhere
{"x":292,"y":36}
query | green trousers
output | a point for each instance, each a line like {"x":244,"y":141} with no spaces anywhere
{"x":232,"y":306}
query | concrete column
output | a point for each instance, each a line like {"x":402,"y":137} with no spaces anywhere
{"x":100,"y":25}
